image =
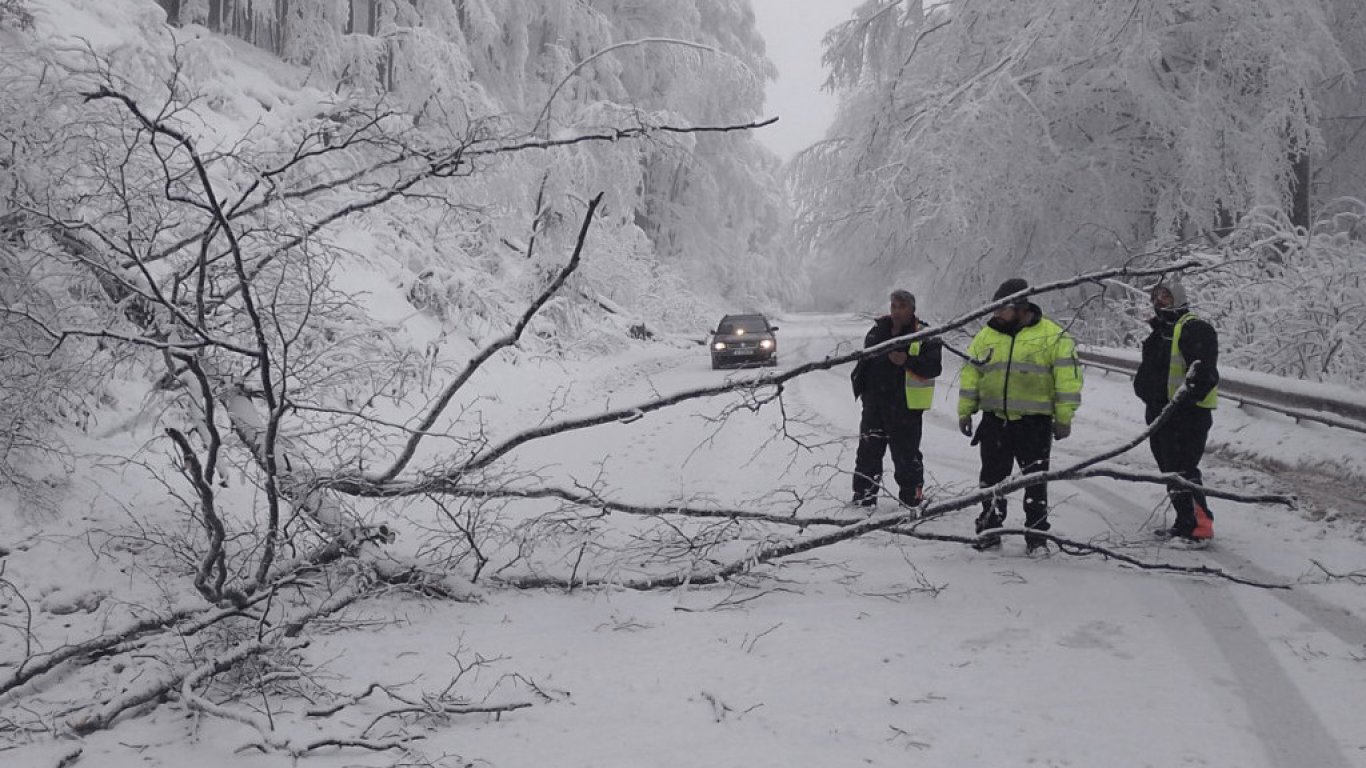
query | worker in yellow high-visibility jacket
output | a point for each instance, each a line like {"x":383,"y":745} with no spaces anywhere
{"x":1180,"y":344}
{"x":1024,"y":377}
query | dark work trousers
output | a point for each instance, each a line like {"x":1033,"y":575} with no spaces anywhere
{"x":886,"y":425}
{"x":1027,"y":441}
{"x":1178,"y":446}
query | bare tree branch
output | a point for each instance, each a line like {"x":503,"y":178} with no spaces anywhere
{"x":387,"y":485}
{"x":507,"y":340}
{"x":846,"y":531}
{"x":544,"y":115}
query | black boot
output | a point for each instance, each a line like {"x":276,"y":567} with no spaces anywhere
{"x":1037,"y":545}
{"x":865,"y":499}
{"x":866,"y":489}
{"x":913,"y":497}
{"x":989,"y":519}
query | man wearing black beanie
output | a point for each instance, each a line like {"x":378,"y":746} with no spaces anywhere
{"x":1023,"y":374}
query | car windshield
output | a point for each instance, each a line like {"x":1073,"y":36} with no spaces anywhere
{"x":748,"y":324}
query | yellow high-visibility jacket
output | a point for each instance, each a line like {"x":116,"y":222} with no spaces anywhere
{"x":1032,"y":372}
{"x":919,"y":389}
{"x":1176,"y":370}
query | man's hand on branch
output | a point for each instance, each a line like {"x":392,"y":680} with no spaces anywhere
{"x":897,"y":357}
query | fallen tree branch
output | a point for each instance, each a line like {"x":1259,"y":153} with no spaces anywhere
{"x":592,"y":500}
{"x":344,"y":743}
{"x":446,"y":708}
{"x":27,"y":629}
{"x":1083,"y":548}
{"x":768,"y":552}
{"x":343,"y":703}
{"x":1357,"y":577}
{"x":33,"y":666}
{"x":223,"y":663}
{"x":475,"y":363}
{"x":104,"y":714}
{"x":390,"y":486}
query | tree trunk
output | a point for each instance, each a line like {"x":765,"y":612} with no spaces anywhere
{"x":172,"y":9}
{"x":1299,"y":190}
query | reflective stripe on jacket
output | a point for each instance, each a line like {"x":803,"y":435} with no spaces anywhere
{"x":919,"y":391}
{"x":1176,"y":370}
{"x":1035,"y":371}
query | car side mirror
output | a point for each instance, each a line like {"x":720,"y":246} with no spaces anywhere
{"x":773,"y":329}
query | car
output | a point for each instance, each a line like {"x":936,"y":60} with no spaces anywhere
{"x":744,"y":340}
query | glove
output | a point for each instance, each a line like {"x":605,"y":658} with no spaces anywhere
{"x":965,"y":425}
{"x":1061,"y":430}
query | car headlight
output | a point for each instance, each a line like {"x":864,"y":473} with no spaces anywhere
{"x":766,"y":344}
{"x":718,"y":346}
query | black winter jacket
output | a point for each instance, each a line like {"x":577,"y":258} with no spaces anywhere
{"x":877,"y":379}
{"x":1199,"y":342}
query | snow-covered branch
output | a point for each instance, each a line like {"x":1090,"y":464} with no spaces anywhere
{"x":902,"y":519}
{"x":508,"y":340}
{"x":434,"y":481}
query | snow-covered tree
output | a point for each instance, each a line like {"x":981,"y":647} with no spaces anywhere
{"x":1340,"y":170}
{"x":978,"y":139}
{"x":265,"y":250}
{"x":707,"y":204}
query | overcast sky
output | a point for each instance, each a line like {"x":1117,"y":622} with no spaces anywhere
{"x":793,"y":30}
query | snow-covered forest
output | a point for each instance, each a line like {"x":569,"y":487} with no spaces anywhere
{"x":451,"y":150}
{"x":979,"y":140}
{"x":353,"y":408}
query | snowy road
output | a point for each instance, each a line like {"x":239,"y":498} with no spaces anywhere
{"x":1075,"y":662}
{"x":853,"y":658}
{"x":1285,"y":721}
{"x":881,"y":651}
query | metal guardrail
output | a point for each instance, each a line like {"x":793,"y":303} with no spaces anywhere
{"x":1332,"y":411}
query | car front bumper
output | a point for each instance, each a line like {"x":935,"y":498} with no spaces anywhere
{"x":742,"y":356}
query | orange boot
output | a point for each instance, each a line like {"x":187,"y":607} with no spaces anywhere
{"x":1204,"y":523}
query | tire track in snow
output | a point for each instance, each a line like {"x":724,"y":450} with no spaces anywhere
{"x":1334,"y":619}
{"x":1290,"y":731}
{"x":799,"y":394}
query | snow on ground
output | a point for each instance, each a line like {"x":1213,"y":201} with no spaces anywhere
{"x":880,"y":651}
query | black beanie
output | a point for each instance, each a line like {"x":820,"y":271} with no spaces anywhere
{"x":1013,"y":285}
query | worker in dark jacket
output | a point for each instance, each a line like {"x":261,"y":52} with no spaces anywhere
{"x":897,"y":387}
{"x":1180,"y":343}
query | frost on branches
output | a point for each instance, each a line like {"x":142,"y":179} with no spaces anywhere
{"x":284,"y":288}
{"x":709,"y":205}
{"x":1292,"y":302}
{"x":274,"y":278}
{"x":979,"y":140}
